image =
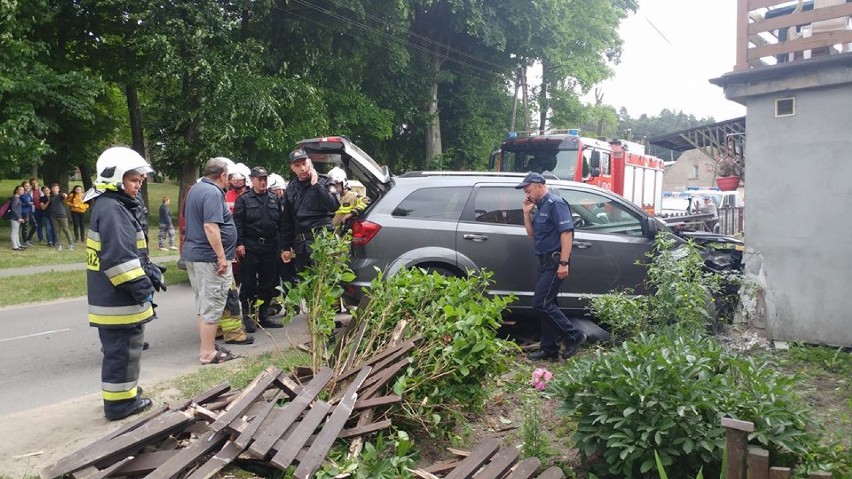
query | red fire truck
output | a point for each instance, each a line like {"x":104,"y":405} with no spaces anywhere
{"x":617,"y":165}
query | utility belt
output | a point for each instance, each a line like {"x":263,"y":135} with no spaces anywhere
{"x":552,"y":257}
{"x":264,"y":241}
{"x":304,"y":237}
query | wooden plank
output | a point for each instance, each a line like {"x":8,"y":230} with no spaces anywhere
{"x":145,"y":463}
{"x":319,"y":449}
{"x":803,"y":18}
{"x":153,"y":430}
{"x":225,"y":456}
{"x":819,"y":475}
{"x":375,"y":359}
{"x":251,"y":428}
{"x":104,"y":473}
{"x":500,"y":463}
{"x":552,"y":473}
{"x":385,"y":377}
{"x":264,"y":442}
{"x":366,"y":429}
{"x":779,"y":472}
{"x":187,"y":456}
{"x":249,"y":395}
{"x":525,"y":469}
{"x":211,"y":394}
{"x":817,"y":40}
{"x":736,"y":442}
{"x":758,"y":463}
{"x":288,"y":385}
{"x":442,"y":467}
{"x":377,"y":402}
{"x":477,"y":458}
{"x":300,"y":435}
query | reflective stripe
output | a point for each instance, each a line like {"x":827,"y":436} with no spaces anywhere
{"x":118,"y":310}
{"x":141,"y":243}
{"x":118,"y":387}
{"x":94,"y":235}
{"x":118,"y":396}
{"x":124,"y":272}
{"x":94,"y":244}
{"x":119,"y":319}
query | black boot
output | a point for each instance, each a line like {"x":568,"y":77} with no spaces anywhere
{"x":248,"y":320}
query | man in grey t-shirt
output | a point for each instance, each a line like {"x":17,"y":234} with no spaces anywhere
{"x":209,"y":247}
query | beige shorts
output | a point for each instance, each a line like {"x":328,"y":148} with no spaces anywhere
{"x":211,"y":290}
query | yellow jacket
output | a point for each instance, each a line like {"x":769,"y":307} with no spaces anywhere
{"x":75,"y":202}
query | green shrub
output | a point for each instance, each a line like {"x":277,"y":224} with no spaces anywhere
{"x":681,"y":292}
{"x":391,"y":458}
{"x":459,"y":352}
{"x":667,"y":392}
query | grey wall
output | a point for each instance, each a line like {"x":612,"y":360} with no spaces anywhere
{"x":680,"y":175}
{"x":798,"y":226}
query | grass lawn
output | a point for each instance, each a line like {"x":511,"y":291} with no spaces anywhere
{"x":40,"y":254}
{"x":66,"y":284}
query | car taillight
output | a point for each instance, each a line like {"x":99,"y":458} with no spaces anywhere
{"x":363,"y":231}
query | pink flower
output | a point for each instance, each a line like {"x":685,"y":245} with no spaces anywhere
{"x":540,"y":378}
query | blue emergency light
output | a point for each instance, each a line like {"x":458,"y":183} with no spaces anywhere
{"x":574,"y":132}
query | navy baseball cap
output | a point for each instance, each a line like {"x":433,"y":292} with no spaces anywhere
{"x":258,"y":172}
{"x":531,"y":178}
{"x":298,"y":154}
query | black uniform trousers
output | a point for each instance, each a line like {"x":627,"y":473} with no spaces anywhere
{"x":122,"y":349}
{"x":258,"y":278}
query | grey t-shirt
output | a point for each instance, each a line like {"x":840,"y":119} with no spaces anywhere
{"x":205,"y":203}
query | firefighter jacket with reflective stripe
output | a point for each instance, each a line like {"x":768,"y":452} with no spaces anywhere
{"x":350,"y":202}
{"x":258,"y":220}
{"x":308,"y":207}
{"x":119,"y":291}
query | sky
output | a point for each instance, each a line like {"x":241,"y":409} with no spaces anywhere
{"x":671,"y":68}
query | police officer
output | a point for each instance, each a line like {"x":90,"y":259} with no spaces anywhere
{"x":310,"y":201}
{"x":120,"y":293}
{"x":548,"y":220}
{"x":257,"y":214}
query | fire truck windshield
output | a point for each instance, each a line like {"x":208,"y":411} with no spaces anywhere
{"x":561,"y":163}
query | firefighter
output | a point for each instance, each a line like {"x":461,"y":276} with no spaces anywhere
{"x":352,"y":203}
{"x":120,"y":293}
{"x":237,"y":176}
{"x":257,"y":214}
{"x":310,"y":202}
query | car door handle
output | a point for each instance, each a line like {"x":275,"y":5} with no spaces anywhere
{"x":582,"y":244}
{"x":475,"y":237}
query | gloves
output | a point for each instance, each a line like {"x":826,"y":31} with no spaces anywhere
{"x":155,"y":274}
{"x":148,"y":299}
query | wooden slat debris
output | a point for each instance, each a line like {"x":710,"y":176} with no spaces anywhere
{"x":277,"y":415}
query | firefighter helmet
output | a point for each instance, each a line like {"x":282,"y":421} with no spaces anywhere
{"x":239,"y":172}
{"x":338,"y":175}
{"x":117,"y":161}
{"x":276,"y":182}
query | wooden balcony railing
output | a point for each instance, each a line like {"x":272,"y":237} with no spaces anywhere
{"x":779,"y":31}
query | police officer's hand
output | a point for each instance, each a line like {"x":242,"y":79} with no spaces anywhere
{"x":286,"y":255}
{"x":528,"y":205}
{"x":562,"y":271}
{"x":241,"y":251}
{"x":314,"y":176}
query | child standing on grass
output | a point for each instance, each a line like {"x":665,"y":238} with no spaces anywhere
{"x":44,"y":204}
{"x":16,"y":218}
{"x":166,"y":227}
{"x":78,"y":210}
{"x":59,"y":216}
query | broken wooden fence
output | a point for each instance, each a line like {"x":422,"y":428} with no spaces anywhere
{"x":199,"y":437}
{"x":489,"y":461}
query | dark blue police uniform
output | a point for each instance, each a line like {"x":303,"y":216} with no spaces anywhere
{"x":551,"y":218}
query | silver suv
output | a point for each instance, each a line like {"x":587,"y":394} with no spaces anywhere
{"x":454,"y":222}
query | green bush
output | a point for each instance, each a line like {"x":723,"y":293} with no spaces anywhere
{"x":667,"y":392}
{"x":681,"y":292}
{"x":459,"y":353}
{"x":388,"y":458}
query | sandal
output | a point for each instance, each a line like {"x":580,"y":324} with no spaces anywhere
{"x":221,"y":357}
{"x":222,"y":349}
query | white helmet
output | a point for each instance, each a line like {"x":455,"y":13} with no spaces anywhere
{"x":239,"y":172}
{"x":229,"y":165}
{"x":275,"y":182}
{"x":338,"y":175}
{"x":115,"y":162}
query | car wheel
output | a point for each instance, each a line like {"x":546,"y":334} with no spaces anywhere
{"x":440,"y":270}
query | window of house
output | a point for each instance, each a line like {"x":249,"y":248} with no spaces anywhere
{"x":694,"y":174}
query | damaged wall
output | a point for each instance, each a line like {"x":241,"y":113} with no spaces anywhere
{"x":798,"y":226}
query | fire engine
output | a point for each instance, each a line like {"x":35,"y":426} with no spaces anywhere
{"x":620,"y":166}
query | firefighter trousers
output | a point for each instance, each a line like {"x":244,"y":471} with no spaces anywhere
{"x":120,"y":368}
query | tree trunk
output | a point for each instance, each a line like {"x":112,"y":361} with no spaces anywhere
{"x":85,"y":175}
{"x":136,"y":132}
{"x":433,"y":128}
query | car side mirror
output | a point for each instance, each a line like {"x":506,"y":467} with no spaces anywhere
{"x":651,"y":227}
{"x":596,"y":172}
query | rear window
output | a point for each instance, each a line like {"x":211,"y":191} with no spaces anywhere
{"x":444,"y":203}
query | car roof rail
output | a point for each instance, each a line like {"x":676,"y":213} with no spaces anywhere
{"x":415,"y":174}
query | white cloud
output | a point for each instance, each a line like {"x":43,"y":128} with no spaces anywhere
{"x":671,"y":68}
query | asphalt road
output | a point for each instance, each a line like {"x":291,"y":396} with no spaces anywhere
{"x":48,"y":352}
